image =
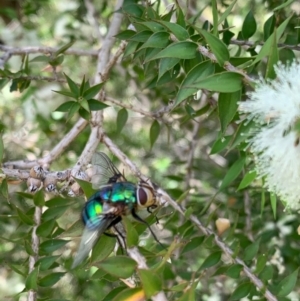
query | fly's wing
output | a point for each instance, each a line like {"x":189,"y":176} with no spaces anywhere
{"x":105,"y":172}
{"x":89,"y":239}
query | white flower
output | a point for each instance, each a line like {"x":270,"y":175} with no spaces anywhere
{"x":275,"y":108}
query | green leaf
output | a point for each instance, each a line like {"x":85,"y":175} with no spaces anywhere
{"x":251,"y":251}
{"x":92,"y":91}
{"x":193,"y":244}
{"x":56,"y":61}
{"x":103,"y":248}
{"x":265,"y":50}
{"x":218,"y":48}
{"x":132,"y":237}
{"x":157,"y":40}
{"x":113,"y":293}
{"x":86,"y":187}
{"x":153,"y":26}
{"x":249,"y":26}
{"x":125,"y":35}
{"x":199,"y":72}
{"x":234,"y":271}
{"x":241,"y":291}
{"x":283,"y":5}
{"x":226,"y":82}
{"x":150,"y":282}
{"x":273,"y":201}
{"x":46,"y":228}
{"x":261,"y":263}
{"x":84,"y":114}
{"x":52,"y":245}
{"x":65,"y":93}
{"x":233,"y":172}
{"x":178,"y":31}
{"x":227,"y":107}
{"x":64,"y":48}
{"x":66,"y":106}
{"x":288,"y":284}
{"x":211,"y":260}
{"x":249,"y":177}
{"x":134,"y":294}
{"x":166,"y":64}
{"x":25,"y":218}
{"x":154,"y":132}
{"x":273,"y":58}
{"x":73,"y":109}
{"x":220,"y":144}
{"x":269,"y":27}
{"x":46,"y":262}
{"x":73,"y":86}
{"x":39,"y":199}
{"x":119,"y":266}
{"x":121,"y":119}
{"x":96,"y":105}
{"x":54,"y":212}
{"x":40,"y":58}
{"x":267,"y":273}
{"x":31,"y":280}
{"x":181,"y":50}
{"x":50,"y":279}
{"x":227,"y":12}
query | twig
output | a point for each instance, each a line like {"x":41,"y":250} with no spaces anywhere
{"x":35,"y":244}
{"x":46,"y":50}
{"x":38,"y":78}
{"x":228,"y":66}
{"x":251,"y":44}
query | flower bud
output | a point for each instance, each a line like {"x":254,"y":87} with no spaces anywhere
{"x":50,"y":184}
{"x":222,"y":225}
{"x":37,"y":172}
{"x":33,"y":184}
{"x":75,"y":190}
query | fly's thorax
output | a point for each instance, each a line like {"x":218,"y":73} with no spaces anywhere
{"x":145,"y":195}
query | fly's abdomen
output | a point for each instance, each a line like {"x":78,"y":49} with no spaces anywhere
{"x":91,"y":213}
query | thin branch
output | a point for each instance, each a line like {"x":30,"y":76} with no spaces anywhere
{"x":251,"y":44}
{"x":37,"y":78}
{"x":35,"y":245}
{"x":46,"y":50}
{"x":228,"y":66}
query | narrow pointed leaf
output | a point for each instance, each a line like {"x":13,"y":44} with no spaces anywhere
{"x":211,"y":260}
{"x":154,"y":132}
{"x":150,"y":282}
{"x":92,"y":91}
{"x":72,"y":85}
{"x":288,"y":284}
{"x":181,"y":50}
{"x":50,"y":279}
{"x":233,"y":172}
{"x":119,"y":266}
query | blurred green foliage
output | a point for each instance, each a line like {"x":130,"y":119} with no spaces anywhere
{"x":156,"y":70}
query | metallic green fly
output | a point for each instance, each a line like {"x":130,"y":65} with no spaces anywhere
{"x":115,"y":198}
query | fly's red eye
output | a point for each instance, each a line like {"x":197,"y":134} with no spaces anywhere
{"x":143,"y":196}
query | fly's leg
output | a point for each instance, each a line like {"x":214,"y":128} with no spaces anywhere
{"x":121,"y":239}
{"x":119,"y":236}
{"x":145,"y":223}
{"x":149,"y":210}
